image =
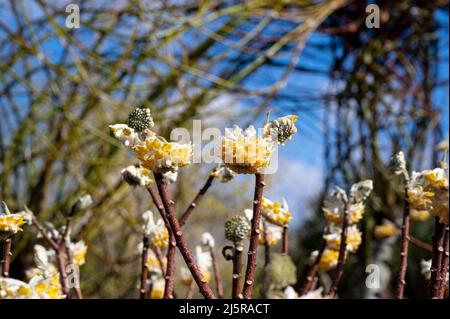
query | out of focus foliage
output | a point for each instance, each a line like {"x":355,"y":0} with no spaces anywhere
{"x":209,"y":60}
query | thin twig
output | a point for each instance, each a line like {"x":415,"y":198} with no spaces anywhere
{"x":170,"y":268}
{"x":444,"y":266}
{"x":237,"y":271}
{"x":342,"y":252}
{"x":158,"y":254}
{"x":6,"y":257}
{"x":197,"y":199}
{"x":404,"y":244}
{"x":285,"y":243}
{"x":168,"y":204}
{"x":436,"y":263}
{"x":254,"y":237}
{"x":420,"y":243}
{"x":216,"y":271}
{"x":144,"y":269}
{"x":309,"y":281}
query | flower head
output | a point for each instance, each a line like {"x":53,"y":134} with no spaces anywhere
{"x":385,"y":230}
{"x":204,"y":261}
{"x":236,"y":228}
{"x":79,"y":251}
{"x":136,"y":175}
{"x":157,"y":231}
{"x":428,"y":190}
{"x":275,"y":212}
{"x":419,"y":215}
{"x":10,"y":223}
{"x":281,"y":129}
{"x":329,"y":259}
{"x":270,"y":232}
{"x":244,"y":152}
{"x":354,"y":238}
{"x":153,"y":152}
{"x":223,"y":174}
{"x":208,"y":240}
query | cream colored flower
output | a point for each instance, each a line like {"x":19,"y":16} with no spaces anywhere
{"x":153,"y":264}
{"x":354,"y":238}
{"x":385,"y":230}
{"x":315,"y":294}
{"x":275,"y":212}
{"x":272,"y":233}
{"x":157,"y":285}
{"x":153,"y":152}
{"x":136,"y":175}
{"x":208,"y":240}
{"x":157,"y":231}
{"x":204,"y":262}
{"x":428,"y":190}
{"x":329,"y":259}
{"x":79,"y":251}
{"x":419,"y":215}
{"x":10,"y":223}
{"x":244,"y":152}
{"x":223,"y":174}
{"x":290,"y":293}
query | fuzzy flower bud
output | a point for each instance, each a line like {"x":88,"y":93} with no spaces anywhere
{"x":281,"y":129}
{"x":140,"y":119}
{"x":281,"y":271}
{"x":236,"y":228}
{"x":398,"y":164}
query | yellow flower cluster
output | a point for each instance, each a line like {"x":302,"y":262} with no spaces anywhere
{"x":428,"y":190}
{"x":10,"y":223}
{"x":154,"y":152}
{"x":38,"y":288}
{"x":79,"y":251}
{"x":419,"y":215}
{"x":385,"y":230}
{"x":329,"y":259}
{"x":334,"y":212}
{"x":157,"y":231}
{"x":153,"y":264}
{"x":275,"y":212}
{"x":354,"y":238}
{"x":244,"y":152}
{"x":269,"y":232}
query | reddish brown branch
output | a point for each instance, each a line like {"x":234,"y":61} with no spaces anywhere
{"x":436,"y":263}
{"x":309,"y":281}
{"x":6,"y":257}
{"x":196,"y":200}
{"x":444,"y":265}
{"x":170,"y":268}
{"x":237,"y":271}
{"x":285,"y":243}
{"x":420,"y":243}
{"x":160,"y":259}
{"x":254,"y":237}
{"x":144,"y":269}
{"x":342,"y":252}
{"x":404,"y":245}
{"x":216,"y":271}
{"x":181,"y":243}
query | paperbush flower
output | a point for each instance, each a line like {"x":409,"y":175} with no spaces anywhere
{"x":153,"y":265}
{"x":39,"y":287}
{"x":204,"y":262}
{"x":208,"y":240}
{"x":281,"y":129}
{"x":157,"y":288}
{"x":223,"y":174}
{"x":276,"y":212}
{"x":428,"y":190}
{"x":153,"y":152}
{"x":157,"y":231}
{"x":419,"y":215}
{"x":244,"y":152}
{"x":354,"y":238}
{"x":136,"y":175}
{"x":385,"y":230}
{"x":270,"y":232}
{"x":335,"y":203}
{"x":329,"y":259}
{"x":79,"y":250}
{"x":10,"y":223}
